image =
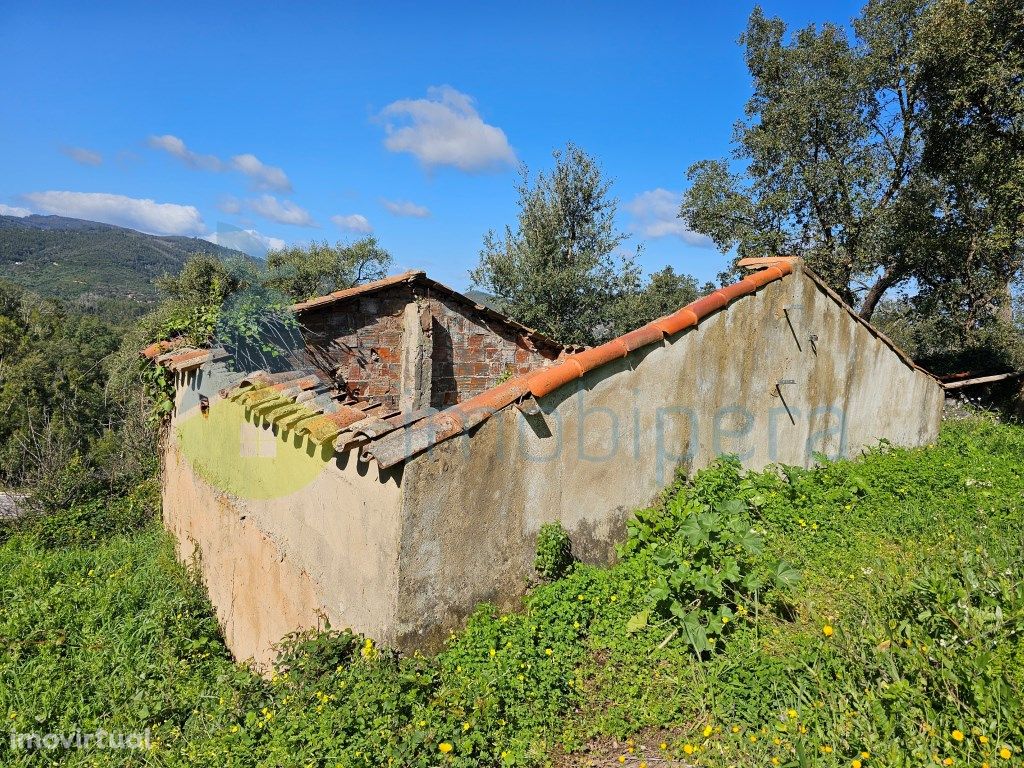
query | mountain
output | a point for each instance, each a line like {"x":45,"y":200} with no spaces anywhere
{"x":88,"y":263}
{"x":480,"y":297}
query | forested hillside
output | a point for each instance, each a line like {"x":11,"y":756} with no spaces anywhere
{"x":88,"y":263}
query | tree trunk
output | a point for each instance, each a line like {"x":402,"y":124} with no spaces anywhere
{"x":888,"y":279}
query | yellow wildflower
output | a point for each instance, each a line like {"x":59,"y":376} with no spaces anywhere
{"x":708,"y":730}
{"x":958,"y":735}
{"x":983,"y":739}
{"x":445,"y":747}
{"x":622,"y":758}
{"x":1004,"y":753}
{"x":688,"y":749}
{"x":827,"y":630}
{"x":865,"y":754}
{"x":791,"y":713}
{"x":855,"y":763}
{"x":735,"y":729}
{"x":663,"y":746}
{"x":947,"y":761}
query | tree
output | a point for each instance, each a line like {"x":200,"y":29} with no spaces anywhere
{"x":301,"y":272}
{"x":831,"y":146}
{"x":559,"y":271}
{"x":890,"y":161}
{"x":971,"y":58}
{"x":664,"y":292}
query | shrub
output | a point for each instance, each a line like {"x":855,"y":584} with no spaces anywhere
{"x":554,"y":552}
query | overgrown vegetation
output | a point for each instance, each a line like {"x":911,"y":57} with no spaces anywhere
{"x":78,"y":407}
{"x":899,"y":644}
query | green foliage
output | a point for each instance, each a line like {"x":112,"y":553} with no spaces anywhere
{"x":92,"y":522}
{"x":911,"y":559}
{"x":97,"y":269}
{"x":558,"y":270}
{"x":554,"y":552}
{"x":890,"y":158}
{"x":302,"y":272}
{"x":57,"y":416}
{"x":706,"y":558}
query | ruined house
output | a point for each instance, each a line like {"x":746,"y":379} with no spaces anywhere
{"x":393,"y":472}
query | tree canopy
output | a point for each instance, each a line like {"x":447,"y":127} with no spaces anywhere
{"x":561,"y":269}
{"x":889,"y":158}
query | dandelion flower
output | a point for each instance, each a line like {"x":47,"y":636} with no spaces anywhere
{"x":622,"y":758}
{"x":865,"y":754}
{"x":855,"y":763}
{"x":1004,"y":753}
{"x":958,"y":735}
{"x":688,"y":749}
{"x":663,"y":746}
{"x":445,"y":747}
{"x":983,"y":739}
{"x":735,"y":729}
{"x":708,"y":730}
{"x":791,"y":713}
{"x":827,"y":630}
{"x":947,"y":761}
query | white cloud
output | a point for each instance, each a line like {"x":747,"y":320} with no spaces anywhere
{"x":354,"y":222}
{"x":82,"y":155}
{"x":445,"y":129}
{"x":246,"y":240}
{"x":145,"y":215}
{"x":230,"y":204}
{"x":12,"y":210}
{"x":281,"y":211}
{"x":405,"y":208}
{"x":655,"y":214}
{"x":175,"y":146}
{"x":261,"y":175}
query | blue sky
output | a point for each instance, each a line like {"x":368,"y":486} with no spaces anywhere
{"x":323,"y":121}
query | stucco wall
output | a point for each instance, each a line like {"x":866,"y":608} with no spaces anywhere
{"x":284,"y":532}
{"x":608,"y":443}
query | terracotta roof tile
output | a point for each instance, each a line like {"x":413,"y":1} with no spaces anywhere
{"x":401,"y":444}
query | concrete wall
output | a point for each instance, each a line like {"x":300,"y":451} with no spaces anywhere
{"x":286,"y":531}
{"x":608,"y":443}
{"x":285,"y":534}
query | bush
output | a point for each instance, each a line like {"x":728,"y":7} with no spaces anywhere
{"x":554,"y":552}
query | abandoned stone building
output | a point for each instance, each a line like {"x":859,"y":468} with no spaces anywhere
{"x":394,"y":470}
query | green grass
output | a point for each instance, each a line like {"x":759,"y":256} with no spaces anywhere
{"x":913,"y":558}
